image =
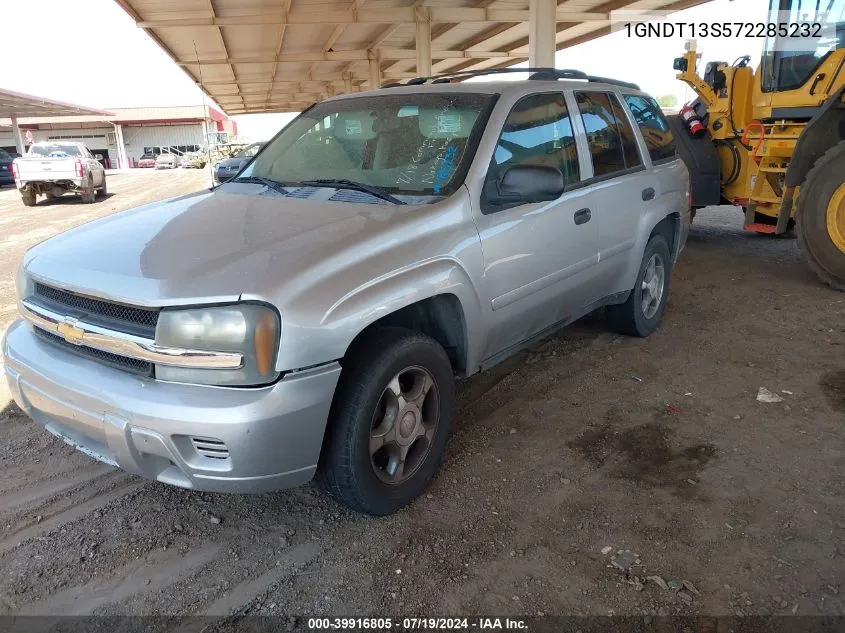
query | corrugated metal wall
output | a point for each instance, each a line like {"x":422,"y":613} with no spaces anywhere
{"x":93,"y":138}
{"x":137,"y":137}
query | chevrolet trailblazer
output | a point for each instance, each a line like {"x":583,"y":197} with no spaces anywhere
{"x":310,"y":316}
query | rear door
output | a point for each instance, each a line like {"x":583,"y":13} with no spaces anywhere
{"x":539,"y":258}
{"x":621,"y":185}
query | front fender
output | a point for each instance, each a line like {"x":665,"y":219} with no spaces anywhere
{"x":349,"y":315}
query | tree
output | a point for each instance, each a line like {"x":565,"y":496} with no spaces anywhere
{"x":667,"y":101}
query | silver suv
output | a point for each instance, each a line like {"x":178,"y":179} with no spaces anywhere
{"x":310,"y":316}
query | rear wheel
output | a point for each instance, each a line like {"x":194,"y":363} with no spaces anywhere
{"x":641,"y":313}
{"x":89,"y":194}
{"x":104,"y":192}
{"x":28,"y":198}
{"x":390,"y":421}
{"x":821,"y":217}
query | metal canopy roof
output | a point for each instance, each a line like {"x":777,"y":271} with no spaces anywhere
{"x":283,"y":55}
{"x":19,"y":105}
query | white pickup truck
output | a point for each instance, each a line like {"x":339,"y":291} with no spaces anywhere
{"x":52,"y":169}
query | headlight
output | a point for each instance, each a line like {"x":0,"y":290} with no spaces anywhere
{"x":23,"y":284}
{"x":251,"y":330}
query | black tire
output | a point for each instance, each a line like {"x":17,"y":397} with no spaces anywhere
{"x":823,"y":256}
{"x":28,"y":197}
{"x":104,"y":192}
{"x":630,"y":317}
{"x":89,"y":194}
{"x":346,"y":469}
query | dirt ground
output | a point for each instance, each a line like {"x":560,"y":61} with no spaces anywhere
{"x":588,"y":445}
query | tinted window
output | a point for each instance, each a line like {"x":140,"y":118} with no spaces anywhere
{"x":538,"y":131}
{"x":611,"y":138}
{"x":658,"y":137}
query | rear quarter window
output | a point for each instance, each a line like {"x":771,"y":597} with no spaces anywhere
{"x":652,"y":123}
{"x":610,"y":137}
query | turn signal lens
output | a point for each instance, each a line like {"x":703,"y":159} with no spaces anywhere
{"x":265,"y":343}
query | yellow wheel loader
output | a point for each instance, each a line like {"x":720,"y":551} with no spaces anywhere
{"x":775,"y":137}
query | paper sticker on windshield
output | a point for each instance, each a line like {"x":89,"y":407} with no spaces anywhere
{"x":448,"y":123}
{"x":353,"y":127}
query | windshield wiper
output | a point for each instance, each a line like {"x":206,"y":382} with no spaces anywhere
{"x":342,"y":183}
{"x":258,"y":180}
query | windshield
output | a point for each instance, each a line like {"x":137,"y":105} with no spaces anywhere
{"x":249,"y":152}
{"x":55,"y":150}
{"x":413,"y":144}
{"x":789,"y":62}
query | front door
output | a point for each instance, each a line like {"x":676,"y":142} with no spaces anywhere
{"x":539,"y":258}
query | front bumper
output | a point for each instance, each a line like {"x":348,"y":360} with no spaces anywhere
{"x":205,"y":438}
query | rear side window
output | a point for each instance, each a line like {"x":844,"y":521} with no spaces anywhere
{"x":658,"y":137}
{"x":612,"y":141}
{"x":538,"y":131}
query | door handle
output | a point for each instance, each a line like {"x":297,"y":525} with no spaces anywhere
{"x":582,"y":216}
{"x":648,"y":194}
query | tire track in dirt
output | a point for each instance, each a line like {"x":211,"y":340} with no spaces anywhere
{"x":70,"y":509}
{"x":40,"y":490}
{"x":158,"y":571}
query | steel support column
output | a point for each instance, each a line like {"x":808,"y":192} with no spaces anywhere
{"x":541,"y":33}
{"x":423,"y":41}
{"x":16,"y":132}
{"x":122,"y":158}
{"x":375,"y":70}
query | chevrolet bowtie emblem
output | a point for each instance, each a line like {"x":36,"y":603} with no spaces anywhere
{"x":70,"y":331}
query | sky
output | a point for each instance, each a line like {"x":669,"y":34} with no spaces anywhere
{"x":138,"y":73}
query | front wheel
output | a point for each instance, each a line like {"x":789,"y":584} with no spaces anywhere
{"x":389,"y":422}
{"x":641,"y":313}
{"x":820,"y":217}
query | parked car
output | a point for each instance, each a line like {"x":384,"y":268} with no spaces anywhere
{"x":194,"y":160}
{"x":166,"y":161}
{"x":53,"y":169}
{"x":6,"y":177}
{"x":147,"y":161}
{"x":227,"y":169}
{"x":310,"y":316}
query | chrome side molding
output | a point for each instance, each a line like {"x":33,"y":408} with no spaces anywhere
{"x":80,"y":333}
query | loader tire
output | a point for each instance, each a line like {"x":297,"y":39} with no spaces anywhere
{"x":820,"y":217}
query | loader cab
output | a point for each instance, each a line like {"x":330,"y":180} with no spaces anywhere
{"x":789,"y":62}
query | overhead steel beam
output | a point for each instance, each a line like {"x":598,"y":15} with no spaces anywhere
{"x":282,"y":28}
{"x":402,"y":15}
{"x":341,"y":56}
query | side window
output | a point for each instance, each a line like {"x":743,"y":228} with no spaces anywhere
{"x":658,"y":137}
{"x":538,"y":131}
{"x":612,"y":141}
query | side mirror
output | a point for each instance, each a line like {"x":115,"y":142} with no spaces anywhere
{"x":98,"y":156}
{"x":523,"y":184}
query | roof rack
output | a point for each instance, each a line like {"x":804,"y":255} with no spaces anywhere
{"x":536,"y":74}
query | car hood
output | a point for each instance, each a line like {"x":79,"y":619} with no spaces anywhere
{"x":212,"y":247}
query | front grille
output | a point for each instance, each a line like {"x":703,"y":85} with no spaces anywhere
{"x":140,"y":321}
{"x":132,"y":365}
